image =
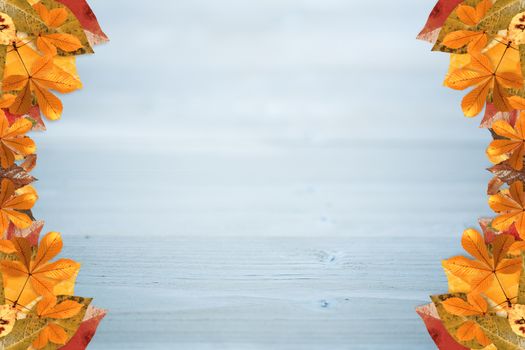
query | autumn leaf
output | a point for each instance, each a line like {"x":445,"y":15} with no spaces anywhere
{"x":471,"y":330}
{"x":70,"y":26}
{"x":49,"y":308}
{"x":27,"y":20}
{"x":486,"y":305}
{"x":509,"y":204}
{"x":88,"y":20}
{"x":464,"y":17}
{"x":13,"y":140}
{"x":435,"y":327}
{"x":27,"y":329}
{"x":517,"y":319}
{"x":436,"y":19}
{"x":511,"y":13}
{"x":38,"y":44}
{"x":496,"y":329}
{"x":501,"y":293}
{"x":88,"y":327}
{"x":497,"y":18}
{"x":507,"y":173}
{"x":31,"y":233}
{"x":33,"y":116}
{"x":7,"y":319}
{"x":459,"y":326}
{"x":48,"y":43}
{"x":471,"y":15}
{"x":494,"y":185}
{"x":512,"y":144}
{"x":18,"y":175}
{"x":485,"y":78}
{"x":485,"y":270}
{"x":40,"y":79}
{"x":475,"y":39}
{"x":13,"y":203}
{"x":51,"y":333}
{"x":7,"y":29}
{"x":36,"y":275}
{"x":475,"y":305}
{"x":23,"y":15}
{"x":491,"y":115}
{"x":501,"y":14}
{"x":7,"y":246}
{"x":517,"y":102}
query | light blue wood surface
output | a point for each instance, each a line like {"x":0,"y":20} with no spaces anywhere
{"x":263,"y":174}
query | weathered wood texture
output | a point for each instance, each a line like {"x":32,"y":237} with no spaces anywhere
{"x":257,"y":293}
{"x":263,"y":174}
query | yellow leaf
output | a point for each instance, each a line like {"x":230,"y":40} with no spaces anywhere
{"x":517,"y":102}
{"x":460,"y":38}
{"x":467,"y":331}
{"x":51,"y":333}
{"x":49,"y":43}
{"x":467,"y":15}
{"x":510,"y":207}
{"x":49,"y":308}
{"x":486,"y":270}
{"x":28,"y":278}
{"x":13,"y":140}
{"x":476,"y":305}
{"x":513,"y":146}
{"x":11,"y":203}
{"x":473,"y":103}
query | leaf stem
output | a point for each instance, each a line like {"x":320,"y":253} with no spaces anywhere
{"x":509,"y":304}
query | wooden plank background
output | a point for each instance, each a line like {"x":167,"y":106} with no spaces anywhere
{"x":263,"y":174}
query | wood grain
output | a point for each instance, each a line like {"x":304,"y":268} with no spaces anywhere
{"x":259,"y":293}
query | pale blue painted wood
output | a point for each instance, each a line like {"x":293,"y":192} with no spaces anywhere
{"x":260,"y":293}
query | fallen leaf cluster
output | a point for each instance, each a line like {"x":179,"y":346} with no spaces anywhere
{"x":39,"y":40}
{"x":485,"y":304}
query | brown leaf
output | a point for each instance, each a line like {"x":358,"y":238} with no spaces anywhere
{"x":492,"y":115}
{"x":506,"y":173}
{"x":494,"y":185}
{"x":18,"y":175}
{"x":29,"y":163}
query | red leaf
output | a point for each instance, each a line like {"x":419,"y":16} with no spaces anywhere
{"x":492,"y":114}
{"x":86,"y":331}
{"x":33,"y":114}
{"x":489,"y":233}
{"x":437,"y":18}
{"x":87,"y":19}
{"x":32,"y":233}
{"x":436,"y":329}
{"x":513,"y":231}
